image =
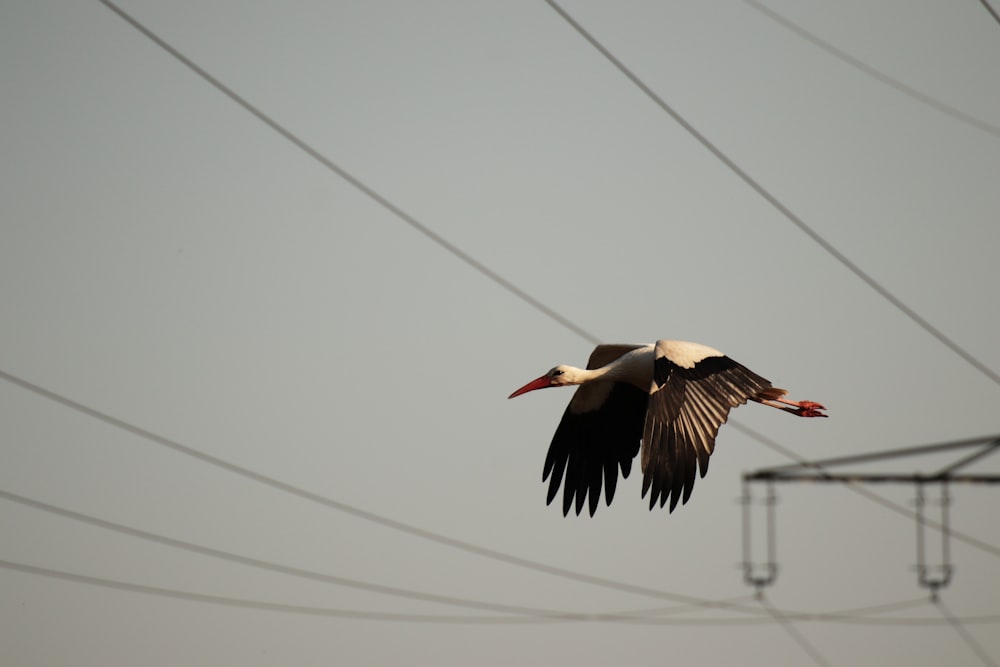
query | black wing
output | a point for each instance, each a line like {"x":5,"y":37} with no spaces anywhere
{"x":599,"y":433}
{"x":590,"y":447}
{"x":686,"y":408}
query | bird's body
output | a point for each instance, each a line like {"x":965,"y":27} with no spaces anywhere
{"x":666,"y":400}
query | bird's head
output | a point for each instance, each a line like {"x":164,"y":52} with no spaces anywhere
{"x":557,"y":377}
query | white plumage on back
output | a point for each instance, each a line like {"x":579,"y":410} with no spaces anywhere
{"x":685,"y":354}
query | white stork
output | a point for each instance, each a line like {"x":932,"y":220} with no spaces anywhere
{"x":671,"y":396}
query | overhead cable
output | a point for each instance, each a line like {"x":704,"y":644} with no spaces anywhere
{"x":867,"y":69}
{"x":828,"y":247}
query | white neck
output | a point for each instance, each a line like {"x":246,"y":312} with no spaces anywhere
{"x":636,"y":369}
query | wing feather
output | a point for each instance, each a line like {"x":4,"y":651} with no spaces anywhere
{"x":599,"y":434}
{"x":590,"y":447}
{"x":694,"y":388}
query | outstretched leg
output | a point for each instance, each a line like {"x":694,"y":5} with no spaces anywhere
{"x":800,"y":408}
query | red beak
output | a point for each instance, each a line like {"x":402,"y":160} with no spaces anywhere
{"x":540,"y":383}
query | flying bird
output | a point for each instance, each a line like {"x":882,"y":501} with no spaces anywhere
{"x":671,"y":396}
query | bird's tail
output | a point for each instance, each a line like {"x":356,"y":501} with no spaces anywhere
{"x":771,"y":393}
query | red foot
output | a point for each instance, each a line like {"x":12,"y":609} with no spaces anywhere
{"x":807,"y":408}
{"x":808,"y":411}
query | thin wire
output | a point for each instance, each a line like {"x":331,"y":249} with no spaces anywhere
{"x":872,"y":72}
{"x":641,"y":616}
{"x":990,"y":619}
{"x":853,"y":616}
{"x":966,"y":636}
{"x":794,"y":633}
{"x":357,"y":614}
{"x":353,"y":613}
{"x":282,"y":569}
{"x":491,"y":274}
{"x":558,"y":614}
{"x":264,"y":606}
{"x":901,"y":622}
{"x":659,"y":612}
{"x":438,"y":618}
{"x":637,"y":617}
{"x":358,"y":512}
{"x":866,"y":611}
{"x":870,"y":495}
{"x":774,"y":201}
{"x":443,"y":539}
{"x":845,"y":616}
{"x":989,"y":8}
{"x":347,"y":176}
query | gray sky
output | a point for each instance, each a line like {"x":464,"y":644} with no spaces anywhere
{"x":170,"y":261}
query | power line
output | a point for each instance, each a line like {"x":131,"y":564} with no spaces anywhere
{"x":877,"y":608}
{"x":334,"y":612}
{"x":353,"y":613}
{"x":867,"y":69}
{"x":540,"y":614}
{"x":346,"y":175}
{"x":490,"y":273}
{"x":803,"y":617}
{"x":259,"y":605}
{"x":399,"y":617}
{"x":556,"y":614}
{"x":989,"y":8}
{"x":343,"y":613}
{"x":966,"y":636}
{"x":864,"y":616}
{"x":636,"y":616}
{"x":774,"y":201}
{"x":282,"y":569}
{"x":660,"y":612}
{"x":357,"y":511}
{"x":633,"y":617}
{"x":794,"y":633}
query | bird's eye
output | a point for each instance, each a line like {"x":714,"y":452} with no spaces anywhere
{"x":556,"y":373}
